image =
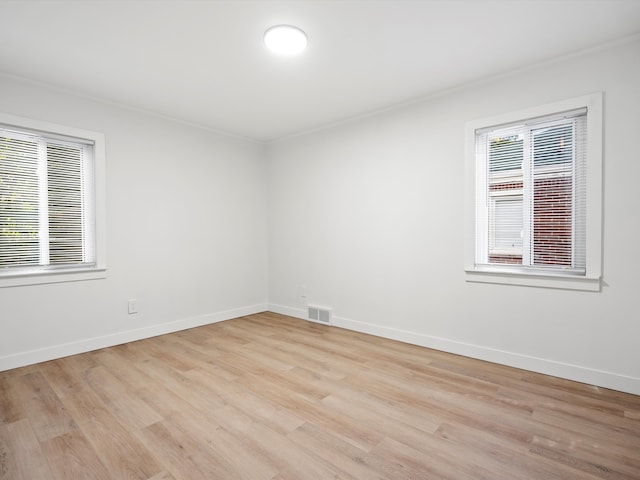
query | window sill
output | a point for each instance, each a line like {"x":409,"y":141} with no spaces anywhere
{"x":567,"y":282}
{"x":39,"y":278}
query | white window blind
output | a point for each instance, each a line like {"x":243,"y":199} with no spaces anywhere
{"x":47,"y":214}
{"x":505,"y":231}
{"x":531,"y":195}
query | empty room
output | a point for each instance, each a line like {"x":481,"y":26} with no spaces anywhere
{"x":276,"y":240}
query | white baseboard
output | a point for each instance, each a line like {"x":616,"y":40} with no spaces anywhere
{"x":290,"y":311}
{"x":58,"y":351}
{"x":540,"y":365}
{"x":577,"y":373}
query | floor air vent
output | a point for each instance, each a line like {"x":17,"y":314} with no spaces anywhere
{"x":320,"y":314}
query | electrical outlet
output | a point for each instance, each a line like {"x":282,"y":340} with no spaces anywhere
{"x":302,"y":295}
{"x":133,"y":306}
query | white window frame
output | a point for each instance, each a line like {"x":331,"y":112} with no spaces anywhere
{"x":35,"y":276}
{"x":591,"y":280}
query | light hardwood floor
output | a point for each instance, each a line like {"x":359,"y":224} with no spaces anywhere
{"x":272,"y":397}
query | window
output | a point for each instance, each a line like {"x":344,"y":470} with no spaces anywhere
{"x":51,"y":203}
{"x":533,"y":216}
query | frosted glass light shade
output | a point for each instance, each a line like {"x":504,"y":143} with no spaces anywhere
{"x":285,"y":39}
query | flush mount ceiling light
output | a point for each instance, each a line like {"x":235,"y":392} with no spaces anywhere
{"x":285,"y":39}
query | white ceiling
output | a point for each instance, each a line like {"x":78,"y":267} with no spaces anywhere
{"x":203,"y":62}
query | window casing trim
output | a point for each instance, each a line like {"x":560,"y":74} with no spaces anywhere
{"x":591,"y":279}
{"x":96,"y":270}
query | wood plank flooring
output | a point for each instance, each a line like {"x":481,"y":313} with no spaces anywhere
{"x":275,"y":398}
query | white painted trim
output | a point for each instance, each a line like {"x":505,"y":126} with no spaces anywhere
{"x":592,"y":279}
{"x":577,"y":373}
{"x":79,"y":273}
{"x":567,"y":282}
{"x":600,"y":378}
{"x":54,"y":276}
{"x":130,"y":108}
{"x":290,"y":311}
{"x":58,"y":351}
{"x":530,"y":68}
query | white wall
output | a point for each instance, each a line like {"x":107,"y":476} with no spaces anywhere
{"x":186,"y":233}
{"x":368,"y":216}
